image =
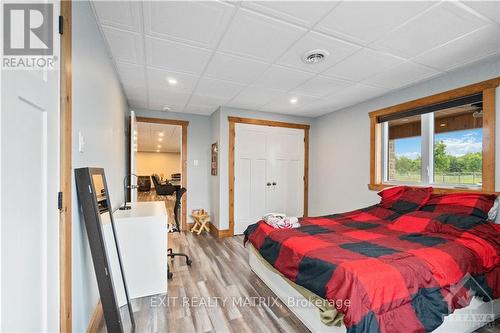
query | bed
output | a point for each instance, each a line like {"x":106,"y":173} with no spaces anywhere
{"x":420,"y":263}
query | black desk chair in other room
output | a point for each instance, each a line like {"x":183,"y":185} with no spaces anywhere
{"x":178,"y":196}
{"x":162,"y":189}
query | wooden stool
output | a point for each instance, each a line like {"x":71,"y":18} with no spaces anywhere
{"x":201,"y":219}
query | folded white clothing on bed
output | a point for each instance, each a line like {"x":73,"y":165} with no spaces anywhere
{"x":281,"y":221}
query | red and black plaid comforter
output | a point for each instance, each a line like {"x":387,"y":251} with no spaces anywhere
{"x":399,"y":273}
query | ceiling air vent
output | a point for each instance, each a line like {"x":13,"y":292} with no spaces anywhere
{"x":314,"y":56}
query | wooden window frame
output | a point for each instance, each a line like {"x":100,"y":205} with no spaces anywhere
{"x":487,"y":88}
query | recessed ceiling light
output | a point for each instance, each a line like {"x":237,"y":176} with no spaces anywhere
{"x":294,"y":100}
{"x":171,"y":80}
{"x":159,"y":146}
{"x":405,"y":120}
{"x":157,"y":150}
{"x":160,"y":139}
{"x":315,"y":56}
{"x":166,"y":108}
{"x":161,"y":134}
{"x":442,"y":124}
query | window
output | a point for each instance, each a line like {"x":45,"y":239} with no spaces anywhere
{"x":458,"y":146}
{"x":447,"y":142}
{"x":404,"y":150}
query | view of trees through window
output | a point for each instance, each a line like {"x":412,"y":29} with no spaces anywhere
{"x":458,"y":158}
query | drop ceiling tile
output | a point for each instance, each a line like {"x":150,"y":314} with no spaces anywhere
{"x":479,"y":44}
{"x":200,"y":109}
{"x":321,"y":85}
{"x":282,"y":103}
{"x":363,"y":64}
{"x":254,"y":97}
{"x":255,"y":35}
{"x":490,"y":9}
{"x":158,"y":98}
{"x":234,"y":68}
{"x":282,"y":78}
{"x":401,"y":75}
{"x":336,"y":48}
{"x":125,"y":46}
{"x":365,"y":21}
{"x":131,"y":74}
{"x":137,"y":93}
{"x":194,"y":22}
{"x":119,"y":14}
{"x":176,"y":56}
{"x":157,"y":79}
{"x":354,"y":94}
{"x":435,"y":27}
{"x":208,"y":101}
{"x":305,"y":13}
{"x":221,"y":89}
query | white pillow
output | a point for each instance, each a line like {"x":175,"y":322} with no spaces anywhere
{"x":493,"y":213}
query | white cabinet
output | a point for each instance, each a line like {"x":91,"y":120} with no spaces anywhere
{"x":269,"y":173}
{"x":142,"y":237}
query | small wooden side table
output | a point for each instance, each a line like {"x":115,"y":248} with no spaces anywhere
{"x":201,"y":220}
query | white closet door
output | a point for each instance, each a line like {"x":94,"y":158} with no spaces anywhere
{"x":269,"y":173}
{"x":250,"y":196}
{"x":286,"y":156}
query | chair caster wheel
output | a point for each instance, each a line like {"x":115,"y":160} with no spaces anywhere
{"x":170,"y":275}
{"x":188,"y":262}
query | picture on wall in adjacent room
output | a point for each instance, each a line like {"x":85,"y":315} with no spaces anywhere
{"x":215,"y":151}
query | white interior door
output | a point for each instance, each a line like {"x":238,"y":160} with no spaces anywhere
{"x":250,"y":171}
{"x":269,"y":173}
{"x":29,"y":182}
{"x":133,"y":156}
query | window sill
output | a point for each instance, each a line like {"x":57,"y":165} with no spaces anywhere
{"x":436,"y":190}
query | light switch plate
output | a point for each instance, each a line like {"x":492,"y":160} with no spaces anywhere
{"x":195,"y":162}
{"x":81,"y":142}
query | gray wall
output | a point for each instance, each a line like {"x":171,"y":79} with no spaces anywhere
{"x":340,"y":156}
{"x":198,"y":148}
{"x":100,"y":113}
{"x":220,"y":195}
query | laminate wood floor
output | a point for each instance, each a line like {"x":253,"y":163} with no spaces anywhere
{"x":219,"y":272}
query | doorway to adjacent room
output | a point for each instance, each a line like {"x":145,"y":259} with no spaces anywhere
{"x":158,"y":158}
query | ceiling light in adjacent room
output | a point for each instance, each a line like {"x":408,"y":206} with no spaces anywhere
{"x":161,"y":134}
{"x":171,"y":81}
{"x":167,"y":108}
{"x":157,"y":150}
{"x":314,"y":56}
{"x":160,"y":139}
{"x":159,"y":146}
{"x":442,"y":124}
{"x":294,"y":100}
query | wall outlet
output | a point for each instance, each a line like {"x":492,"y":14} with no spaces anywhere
{"x":195,"y":163}
{"x":81,"y":142}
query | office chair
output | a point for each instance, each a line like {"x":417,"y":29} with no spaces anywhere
{"x":178,"y":196}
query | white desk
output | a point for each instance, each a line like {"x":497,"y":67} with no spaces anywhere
{"x":142,"y":237}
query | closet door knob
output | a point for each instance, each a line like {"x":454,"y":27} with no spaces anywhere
{"x":274,"y":183}
{"x":268,"y":184}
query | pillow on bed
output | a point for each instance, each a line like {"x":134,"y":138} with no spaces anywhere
{"x":404,"y":199}
{"x":475,"y":204}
